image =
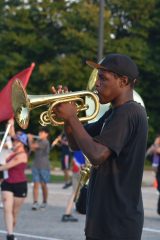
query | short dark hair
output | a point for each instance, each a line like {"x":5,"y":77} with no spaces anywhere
{"x":44,"y":129}
{"x":131,"y":81}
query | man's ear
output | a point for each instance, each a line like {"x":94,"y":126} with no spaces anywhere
{"x":124,"y":81}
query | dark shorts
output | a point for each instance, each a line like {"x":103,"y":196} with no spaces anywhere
{"x":18,"y":189}
{"x":41,"y":175}
{"x":1,"y":174}
{"x":65,"y":162}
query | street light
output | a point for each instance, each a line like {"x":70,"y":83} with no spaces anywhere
{"x":101,"y":30}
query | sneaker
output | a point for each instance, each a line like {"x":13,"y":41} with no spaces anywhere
{"x":1,"y":205}
{"x":11,"y":237}
{"x":67,"y":185}
{"x":35,"y":206}
{"x":43,"y":205}
{"x":68,"y":218}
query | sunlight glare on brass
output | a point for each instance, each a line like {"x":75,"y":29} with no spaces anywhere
{"x":22,"y":104}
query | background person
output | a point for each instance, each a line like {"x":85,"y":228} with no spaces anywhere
{"x":78,"y":161}
{"x":14,"y":188}
{"x":115,"y":146}
{"x":158,"y":187}
{"x":40,"y":167}
{"x":154,"y":151}
{"x":4,"y":154}
{"x":65,"y":158}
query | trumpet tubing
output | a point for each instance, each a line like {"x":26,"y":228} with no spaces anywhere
{"x":84,"y":177}
{"x":22,"y":104}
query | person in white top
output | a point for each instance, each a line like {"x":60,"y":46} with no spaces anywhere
{"x":6,"y":151}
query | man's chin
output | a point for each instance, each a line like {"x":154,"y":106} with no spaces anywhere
{"x":103,"y":102}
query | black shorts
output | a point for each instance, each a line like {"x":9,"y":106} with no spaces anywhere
{"x":18,"y":189}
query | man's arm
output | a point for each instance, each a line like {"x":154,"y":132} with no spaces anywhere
{"x":157,"y":150}
{"x":16,"y":161}
{"x":12,"y":129}
{"x":32,"y":144}
{"x":71,"y":140}
{"x":78,"y":136}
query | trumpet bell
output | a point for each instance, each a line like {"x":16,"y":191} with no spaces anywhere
{"x":20,"y":104}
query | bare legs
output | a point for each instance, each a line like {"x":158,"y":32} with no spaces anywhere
{"x":12,"y":206}
{"x":67,"y":177}
{"x":68,"y":212}
{"x":36,"y":191}
{"x":70,"y":204}
{"x":44,"y":192}
{"x":65,"y":166}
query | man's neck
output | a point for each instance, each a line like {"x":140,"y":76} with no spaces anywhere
{"x":122,"y":99}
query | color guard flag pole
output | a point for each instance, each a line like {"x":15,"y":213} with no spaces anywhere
{"x":5,"y":136}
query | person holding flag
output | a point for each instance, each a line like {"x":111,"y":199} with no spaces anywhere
{"x":14,"y":187}
{"x":5,"y":151}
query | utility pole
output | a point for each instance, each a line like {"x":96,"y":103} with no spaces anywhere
{"x":101,"y":30}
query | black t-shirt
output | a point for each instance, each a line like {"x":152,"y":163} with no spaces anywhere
{"x":114,"y":204}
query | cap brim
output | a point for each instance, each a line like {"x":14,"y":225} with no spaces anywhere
{"x":95,"y":65}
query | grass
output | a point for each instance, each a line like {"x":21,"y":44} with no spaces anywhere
{"x":60,"y":178}
{"x":148,"y":165}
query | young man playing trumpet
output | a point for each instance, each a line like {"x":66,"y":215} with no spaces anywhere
{"x":115,"y":146}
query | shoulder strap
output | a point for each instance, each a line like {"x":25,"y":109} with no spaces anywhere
{"x":13,"y":155}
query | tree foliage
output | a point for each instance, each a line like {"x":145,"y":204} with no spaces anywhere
{"x":60,"y":35}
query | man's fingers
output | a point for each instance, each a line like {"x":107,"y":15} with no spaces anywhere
{"x":54,"y":90}
{"x":60,"y":89}
{"x":65,"y":89}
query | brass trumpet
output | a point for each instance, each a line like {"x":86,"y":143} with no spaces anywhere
{"x":84,"y":177}
{"x":22,"y":104}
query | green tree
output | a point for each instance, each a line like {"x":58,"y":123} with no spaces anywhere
{"x":60,"y":35}
{"x":133,"y":23}
{"x":57,"y":36}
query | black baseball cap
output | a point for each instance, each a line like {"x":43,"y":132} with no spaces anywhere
{"x":117,"y":63}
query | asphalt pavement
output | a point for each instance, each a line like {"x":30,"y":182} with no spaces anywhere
{"x":46,"y":224}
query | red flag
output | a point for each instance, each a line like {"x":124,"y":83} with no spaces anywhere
{"x":5,"y":95}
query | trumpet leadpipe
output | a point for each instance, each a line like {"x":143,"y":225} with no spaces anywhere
{"x":22,"y":104}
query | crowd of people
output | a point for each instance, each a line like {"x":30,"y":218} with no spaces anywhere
{"x":115,"y":146}
{"x":14,"y":159}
